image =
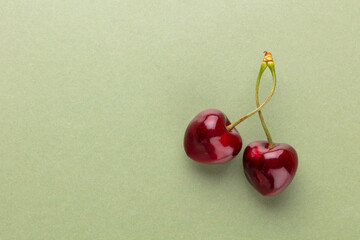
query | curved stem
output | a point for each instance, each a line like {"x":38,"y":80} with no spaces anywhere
{"x":263,"y":66}
{"x":271,"y":66}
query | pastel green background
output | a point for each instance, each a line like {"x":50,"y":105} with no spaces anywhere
{"x":95,"y":97}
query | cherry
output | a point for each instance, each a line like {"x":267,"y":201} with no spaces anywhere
{"x":207,"y":139}
{"x":269,"y":170}
{"x":268,"y":166}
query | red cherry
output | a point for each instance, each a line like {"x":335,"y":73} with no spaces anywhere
{"x":208,"y":141}
{"x":270,"y":171}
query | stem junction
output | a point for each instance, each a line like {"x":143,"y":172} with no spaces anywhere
{"x":267,"y":62}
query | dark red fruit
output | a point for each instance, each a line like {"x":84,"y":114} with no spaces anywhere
{"x":270,"y":171}
{"x":208,"y":141}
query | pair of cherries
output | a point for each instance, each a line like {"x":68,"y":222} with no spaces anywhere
{"x":212,"y":139}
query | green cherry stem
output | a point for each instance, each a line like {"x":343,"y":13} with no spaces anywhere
{"x":263,"y":66}
{"x":271,"y":66}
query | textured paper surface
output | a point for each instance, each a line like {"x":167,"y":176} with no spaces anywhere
{"x":95,"y":97}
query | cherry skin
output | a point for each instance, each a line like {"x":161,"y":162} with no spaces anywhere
{"x":270,"y":171}
{"x":208,"y":141}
